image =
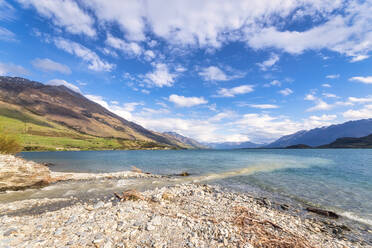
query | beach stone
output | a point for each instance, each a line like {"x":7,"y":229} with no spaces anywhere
{"x":156,"y":221}
{"x":9,"y":232}
{"x":99,"y":204}
{"x":150,"y":227}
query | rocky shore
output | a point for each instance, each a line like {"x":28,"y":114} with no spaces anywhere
{"x":178,"y":215}
{"x":188,"y":215}
{"x":17,"y":174}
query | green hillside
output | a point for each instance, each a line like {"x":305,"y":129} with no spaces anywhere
{"x":39,"y":134}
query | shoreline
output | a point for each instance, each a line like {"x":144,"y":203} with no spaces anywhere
{"x":181,"y":215}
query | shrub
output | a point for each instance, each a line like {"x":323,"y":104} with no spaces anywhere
{"x":9,"y":144}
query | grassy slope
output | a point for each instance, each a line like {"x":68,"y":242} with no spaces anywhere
{"x":37,"y":133}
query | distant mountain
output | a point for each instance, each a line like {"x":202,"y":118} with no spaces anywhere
{"x":299,"y":146}
{"x":363,"y":142}
{"x":325,"y":135}
{"x":185,"y":140}
{"x":58,"y":112}
{"x":233,"y":145}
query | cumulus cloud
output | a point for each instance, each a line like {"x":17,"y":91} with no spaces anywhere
{"x":95,"y":63}
{"x":160,"y":76}
{"x":286,"y":92}
{"x":64,"y":13}
{"x":213,"y":73}
{"x":326,"y":85}
{"x":183,"y":101}
{"x":58,"y":82}
{"x":365,"y":80}
{"x":310,"y":97}
{"x":320,"y":105}
{"x":12,"y":70}
{"x":346,"y":27}
{"x":50,"y":65}
{"x":355,"y":114}
{"x":131,"y":48}
{"x":348,"y":33}
{"x":274,"y":58}
{"x":232,"y":92}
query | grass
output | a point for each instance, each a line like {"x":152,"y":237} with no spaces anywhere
{"x":39,"y":134}
{"x":9,"y":144}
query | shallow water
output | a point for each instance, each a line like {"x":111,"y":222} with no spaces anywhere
{"x":340,"y":179}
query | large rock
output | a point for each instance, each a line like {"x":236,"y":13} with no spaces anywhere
{"x":17,"y":173}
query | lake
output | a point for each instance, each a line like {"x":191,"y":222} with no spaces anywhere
{"x":339,"y":179}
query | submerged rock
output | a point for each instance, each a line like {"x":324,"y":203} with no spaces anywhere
{"x":17,"y":173}
{"x":323,"y":212}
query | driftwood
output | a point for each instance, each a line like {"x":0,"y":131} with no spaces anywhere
{"x":130,"y":195}
{"x":265,"y":233}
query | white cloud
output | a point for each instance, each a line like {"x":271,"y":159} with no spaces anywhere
{"x":213,"y":73}
{"x":129,"y":15}
{"x":264,"y":128}
{"x":95,"y":63}
{"x":310,"y":97}
{"x":222,"y":115}
{"x":365,"y":80}
{"x":160,"y":76}
{"x":149,"y":55}
{"x":329,"y":95}
{"x":64,"y":13}
{"x":320,"y":105}
{"x":333,"y":76}
{"x":323,"y":117}
{"x":50,"y":65}
{"x":183,"y":101}
{"x":345,"y":27}
{"x":360,"y":100}
{"x":131,"y":106}
{"x":274,"y":58}
{"x":12,"y":70}
{"x":58,"y":82}
{"x":326,"y":85}
{"x":348,"y":33}
{"x":359,"y":58}
{"x":232,"y":92}
{"x":6,"y":35}
{"x":365,"y":112}
{"x":273,"y":83}
{"x":7,"y":11}
{"x":264,"y":106}
{"x":131,"y":48}
{"x":286,"y":92}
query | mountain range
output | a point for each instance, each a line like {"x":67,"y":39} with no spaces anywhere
{"x":185,"y":140}
{"x":50,"y":117}
{"x":233,"y":145}
{"x":325,"y":135}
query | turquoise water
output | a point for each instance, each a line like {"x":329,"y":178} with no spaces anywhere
{"x":340,"y":179}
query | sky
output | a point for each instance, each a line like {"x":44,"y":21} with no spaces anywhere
{"x":212,"y":70}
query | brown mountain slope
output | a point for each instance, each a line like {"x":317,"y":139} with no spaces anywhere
{"x":68,"y":108}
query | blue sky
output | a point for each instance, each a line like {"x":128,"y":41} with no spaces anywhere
{"x":211,"y":70}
